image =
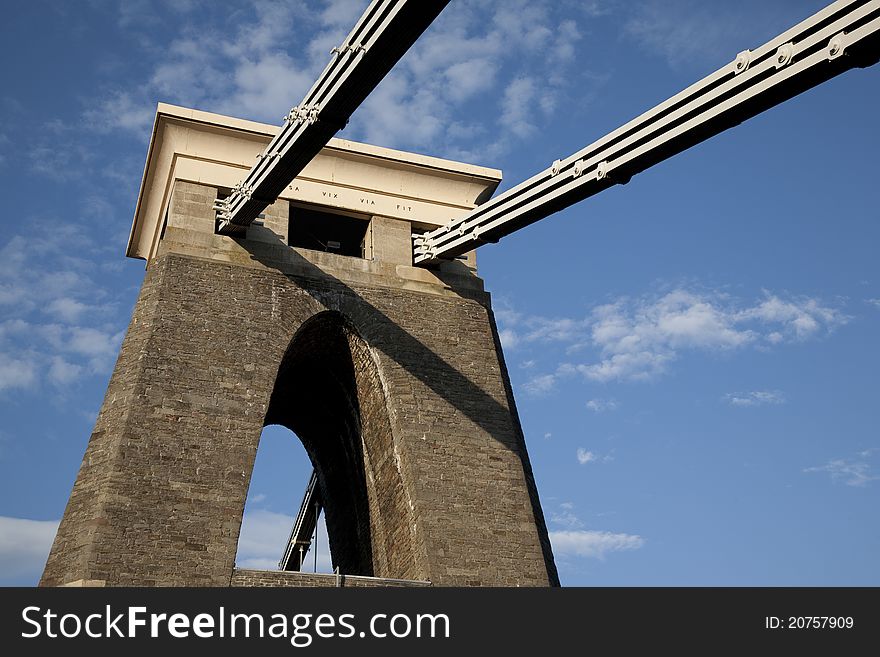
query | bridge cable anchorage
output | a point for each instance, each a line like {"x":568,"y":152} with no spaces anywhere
{"x":742,"y":61}
{"x":347,"y":48}
{"x":804,"y":56}
{"x":381,"y":36}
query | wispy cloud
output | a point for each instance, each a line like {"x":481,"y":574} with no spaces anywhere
{"x":508,"y":338}
{"x":67,"y":309}
{"x":4,"y":148}
{"x":873,"y":302}
{"x":602,"y":405}
{"x":639,"y":338}
{"x":755,"y":398}
{"x":60,"y":323}
{"x":565,"y":518}
{"x":570,"y":539}
{"x":540,"y":385}
{"x":703,"y":35}
{"x":264,"y":536}
{"x":523,"y":329}
{"x":62,"y":372}
{"x":585,"y":456}
{"x":97,"y":345}
{"x":857,"y":471}
{"x":123,"y":110}
{"x":244,"y":70}
{"x":475,"y":53}
{"x":24,"y":547}
{"x":17,"y":372}
{"x":60,"y":160}
{"x":592,"y":544}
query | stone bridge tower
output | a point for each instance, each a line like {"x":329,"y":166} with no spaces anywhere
{"x":391,"y":375}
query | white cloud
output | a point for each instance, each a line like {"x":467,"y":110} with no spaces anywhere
{"x":24,"y":547}
{"x":17,"y":372}
{"x":509,"y":338}
{"x":13,"y":327}
{"x":602,"y":405}
{"x":505,"y":314}
{"x":800,"y":318}
{"x":519,"y":113}
{"x":271,"y":81}
{"x":638,"y":366}
{"x":705,"y":33}
{"x":29,"y":281}
{"x":243,"y":70}
{"x":540,"y":385}
{"x":565,"y":518}
{"x":538,"y":329}
{"x":264,"y":536}
{"x":4,"y":144}
{"x":755,"y":398}
{"x":574,"y":541}
{"x":94,"y":342}
{"x":592,"y":544}
{"x":135,"y":13}
{"x":638,"y":339}
{"x":548,"y":436}
{"x":567,"y":36}
{"x":67,"y":309}
{"x":493,"y":55}
{"x":342,"y":13}
{"x":873,"y":302}
{"x":467,"y":78}
{"x":61,"y":161}
{"x":121,"y":110}
{"x":553,"y":329}
{"x":47,"y":270}
{"x":853,"y":472}
{"x":62,"y":373}
{"x":584,"y":456}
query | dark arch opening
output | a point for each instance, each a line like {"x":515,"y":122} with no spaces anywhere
{"x":282,"y":469}
{"x":328,"y":393}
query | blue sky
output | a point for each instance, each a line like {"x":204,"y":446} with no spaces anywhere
{"x":694,"y":355}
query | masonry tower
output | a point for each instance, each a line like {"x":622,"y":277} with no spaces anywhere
{"x":314,"y":318}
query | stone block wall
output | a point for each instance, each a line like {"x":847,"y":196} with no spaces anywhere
{"x":263,"y":578}
{"x":161,"y":490}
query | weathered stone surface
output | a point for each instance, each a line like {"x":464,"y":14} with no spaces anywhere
{"x":281,"y":579}
{"x":397,"y":388}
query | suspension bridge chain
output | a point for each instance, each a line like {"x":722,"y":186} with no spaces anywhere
{"x":384,"y":33}
{"x":844,"y":35}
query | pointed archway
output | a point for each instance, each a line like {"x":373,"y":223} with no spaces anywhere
{"x":281,"y":473}
{"x":329,"y":392}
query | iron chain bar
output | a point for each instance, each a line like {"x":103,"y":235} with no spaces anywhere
{"x":844,"y":35}
{"x":382,"y":35}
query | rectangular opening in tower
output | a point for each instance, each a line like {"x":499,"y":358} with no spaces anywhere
{"x":320,"y":230}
